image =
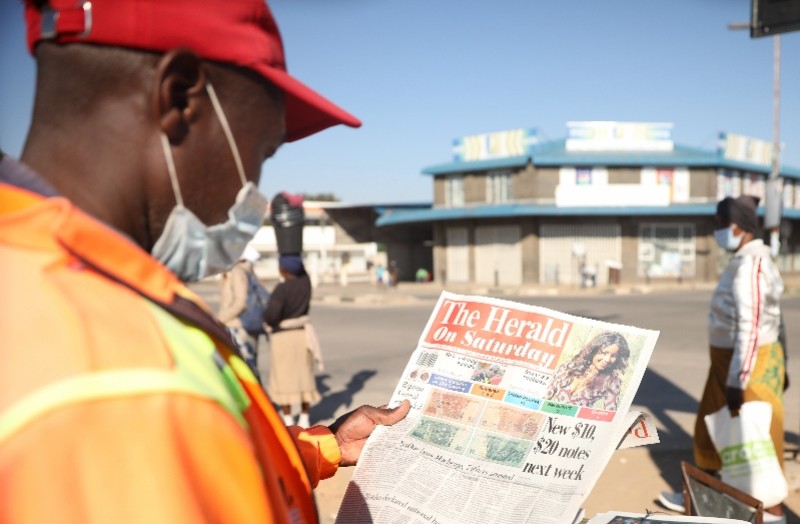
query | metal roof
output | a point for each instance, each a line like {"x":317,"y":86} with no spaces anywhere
{"x":554,"y":153}
{"x":438,"y":214}
{"x":477,"y":165}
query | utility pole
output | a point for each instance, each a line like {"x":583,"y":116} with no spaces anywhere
{"x":773,"y":199}
{"x":773,"y":203}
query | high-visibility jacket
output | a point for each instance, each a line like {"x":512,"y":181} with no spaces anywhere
{"x":120,"y":397}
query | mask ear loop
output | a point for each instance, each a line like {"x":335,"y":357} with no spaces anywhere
{"x":173,"y":175}
{"x":212,"y":95}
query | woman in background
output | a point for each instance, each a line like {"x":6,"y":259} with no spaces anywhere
{"x":747,"y":361}
{"x":294,"y":348}
{"x":744,"y":319}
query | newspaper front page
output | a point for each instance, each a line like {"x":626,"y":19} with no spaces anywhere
{"x":516,"y":411}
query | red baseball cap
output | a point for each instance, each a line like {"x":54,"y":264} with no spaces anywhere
{"x":239,"y":32}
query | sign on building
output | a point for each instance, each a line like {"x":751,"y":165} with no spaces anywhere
{"x":516,"y":142}
{"x":745,"y":149}
{"x":619,"y":136}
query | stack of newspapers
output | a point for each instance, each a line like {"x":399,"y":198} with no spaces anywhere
{"x":615,"y":517}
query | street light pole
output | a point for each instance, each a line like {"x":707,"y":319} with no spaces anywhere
{"x":773,"y":200}
{"x":772,"y":206}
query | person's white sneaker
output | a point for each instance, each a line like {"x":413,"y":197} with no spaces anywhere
{"x":303,"y":421}
{"x":672,"y":500}
{"x":776,"y":519}
{"x":288,"y":420}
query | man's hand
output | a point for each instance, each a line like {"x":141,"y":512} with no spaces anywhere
{"x":352,"y":429}
{"x":734,"y":398}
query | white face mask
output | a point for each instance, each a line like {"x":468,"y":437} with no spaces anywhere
{"x":193,"y":250}
{"x":726,"y":239}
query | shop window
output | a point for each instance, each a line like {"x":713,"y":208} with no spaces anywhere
{"x":754,"y":184}
{"x":674,"y":180}
{"x":666,"y":250}
{"x":498,"y":187}
{"x":725,"y":187}
{"x":788,"y":194}
{"x":583,"y":176}
{"x":454,"y":191}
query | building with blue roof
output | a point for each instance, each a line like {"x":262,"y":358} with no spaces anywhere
{"x":613,"y":202}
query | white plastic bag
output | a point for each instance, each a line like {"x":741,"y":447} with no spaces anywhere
{"x":749,"y":462}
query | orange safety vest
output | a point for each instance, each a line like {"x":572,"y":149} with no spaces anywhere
{"x":121,"y":399}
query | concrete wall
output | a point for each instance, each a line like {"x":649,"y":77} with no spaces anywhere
{"x":439,"y":251}
{"x":530,"y":249}
{"x":341,"y":235}
{"x":438,"y":191}
{"x":624,"y":175}
{"x":475,"y":188}
{"x":543,"y":183}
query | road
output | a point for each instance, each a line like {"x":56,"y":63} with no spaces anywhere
{"x":367,"y":345}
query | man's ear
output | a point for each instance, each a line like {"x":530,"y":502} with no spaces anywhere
{"x":180,"y":78}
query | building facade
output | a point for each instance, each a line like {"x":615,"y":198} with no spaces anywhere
{"x":330,"y":253}
{"x":613,"y":202}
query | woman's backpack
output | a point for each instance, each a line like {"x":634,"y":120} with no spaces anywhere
{"x":252,"y":317}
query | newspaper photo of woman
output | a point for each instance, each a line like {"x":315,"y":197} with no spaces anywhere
{"x":593,"y":378}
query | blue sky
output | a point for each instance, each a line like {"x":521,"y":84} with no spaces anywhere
{"x":420,"y":73}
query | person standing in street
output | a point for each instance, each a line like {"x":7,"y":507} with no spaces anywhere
{"x":294,"y":348}
{"x":122,"y":398}
{"x":234,"y":291}
{"x":747,"y":361}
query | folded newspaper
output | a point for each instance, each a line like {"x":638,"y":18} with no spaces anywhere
{"x":616,"y":517}
{"x":516,"y":411}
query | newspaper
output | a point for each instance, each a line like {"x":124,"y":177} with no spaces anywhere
{"x":641,"y":430}
{"x":619,"y":517}
{"x":516,"y":410}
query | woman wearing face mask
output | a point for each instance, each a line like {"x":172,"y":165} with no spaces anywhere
{"x":594,"y":377}
{"x":747,"y":361}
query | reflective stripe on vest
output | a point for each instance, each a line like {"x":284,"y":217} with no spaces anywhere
{"x":199,"y":371}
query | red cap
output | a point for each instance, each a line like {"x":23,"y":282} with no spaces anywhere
{"x":239,"y":32}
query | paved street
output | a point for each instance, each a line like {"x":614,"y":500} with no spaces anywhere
{"x":367,"y":341}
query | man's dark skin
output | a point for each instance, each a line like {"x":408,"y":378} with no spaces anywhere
{"x":95,"y":137}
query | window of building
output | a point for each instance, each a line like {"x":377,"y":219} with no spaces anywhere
{"x":788,"y":194}
{"x":754,"y":184}
{"x":583,"y":176}
{"x":726,"y":184}
{"x":796,"y":195}
{"x":674,"y":181}
{"x":454,"y":191}
{"x":498,"y":187}
{"x":666,"y":250}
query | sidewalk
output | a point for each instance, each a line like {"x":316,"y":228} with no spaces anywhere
{"x":411,"y":292}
